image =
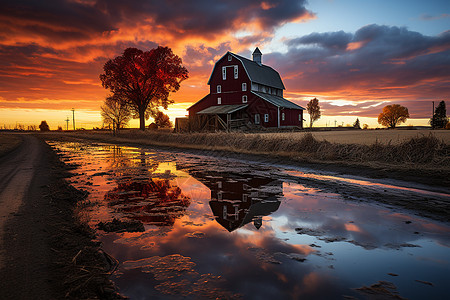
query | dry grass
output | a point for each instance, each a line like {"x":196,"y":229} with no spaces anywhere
{"x":407,"y":149}
{"x":366,"y":137}
{"x":8,"y":142}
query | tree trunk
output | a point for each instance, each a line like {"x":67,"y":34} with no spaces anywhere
{"x":142,"y":119}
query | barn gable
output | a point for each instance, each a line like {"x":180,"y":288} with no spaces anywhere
{"x":257,"y":73}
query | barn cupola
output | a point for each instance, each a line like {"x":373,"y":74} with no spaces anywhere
{"x":257,"y":56}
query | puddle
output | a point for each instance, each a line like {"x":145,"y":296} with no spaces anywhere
{"x":229,"y":229}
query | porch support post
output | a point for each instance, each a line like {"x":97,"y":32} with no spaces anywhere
{"x":278,"y":117}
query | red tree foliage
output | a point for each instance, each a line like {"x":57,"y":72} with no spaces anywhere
{"x":144,"y":79}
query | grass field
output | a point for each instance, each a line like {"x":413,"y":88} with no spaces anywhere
{"x":366,"y":137}
{"x":8,"y":142}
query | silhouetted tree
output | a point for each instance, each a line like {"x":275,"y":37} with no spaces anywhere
{"x":392,"y":115}
{"x":162,"y":120}
{"x":313,"y":110}
{"x":356,"y":124}
{"x":144,"y":79}
{"x":115,"y":112}
{"x":439,"y":119}
{"x":44,"y":126}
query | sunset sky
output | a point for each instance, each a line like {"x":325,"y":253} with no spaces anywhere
{"x":355,"y":56}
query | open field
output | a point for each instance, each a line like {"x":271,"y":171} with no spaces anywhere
{"x":8,"y":142}
{"x":366,"y":137}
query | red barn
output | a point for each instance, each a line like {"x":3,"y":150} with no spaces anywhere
{"x":243,"y":94}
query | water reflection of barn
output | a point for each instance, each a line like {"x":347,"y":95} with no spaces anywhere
{"x":237,"y":200}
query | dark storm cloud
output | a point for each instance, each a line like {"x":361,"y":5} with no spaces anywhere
{"x":376,"y":62}
{"x":54,"y":19}
{"x":337,"y":40}
{"x":80,"y":20}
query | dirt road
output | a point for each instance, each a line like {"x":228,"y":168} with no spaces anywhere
{"x":45,"y":251}
{"x":24,"y":256}
{"x":16,"y":172}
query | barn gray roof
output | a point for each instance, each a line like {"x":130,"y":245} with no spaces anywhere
{"x":261,"y":74}
{"x":221,"y":109}
{"x":278,"y":101}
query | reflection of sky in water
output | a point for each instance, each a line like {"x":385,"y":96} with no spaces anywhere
{"x":310,"y":243}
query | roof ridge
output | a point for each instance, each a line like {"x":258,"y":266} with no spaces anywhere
{"x":249,"y":60}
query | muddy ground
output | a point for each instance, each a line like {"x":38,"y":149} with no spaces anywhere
{"x":47,"y":253}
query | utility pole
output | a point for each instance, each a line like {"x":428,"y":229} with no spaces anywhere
{"x":432,"y":117}
{"x":335,"y":123}
{"x":67,"y":123}
{"x":73,"y":113}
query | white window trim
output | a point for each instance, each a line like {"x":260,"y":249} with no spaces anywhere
{"x":283,"y":116}
{"x":219,"y":89}
{"x":266,"y":118}
{"x":235,"y":72}
{"x":244,"y":99}
{"x":244,"y":87}
{"x":300,"y":117}
{"x":219,"y":100}
{"x":224,"y":73}
{"x":229,"y":57}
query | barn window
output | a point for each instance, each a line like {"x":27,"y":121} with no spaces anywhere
{"x":219,"y":100}
{"x":229,"y":57}
{"x":235,"y":72}
{"x":257,"y":119}
{"x":300,"y":117}
{"x":220,"y":196}
{"x":224,"y":73}
{"x":225,"y":213}
{"x":282,"y":116}
{"x":219,"y":89}
{"x":244,"y":197}
{"x":244,"y":87}
{"x":244,"y":99}
{"x":266,"y":118}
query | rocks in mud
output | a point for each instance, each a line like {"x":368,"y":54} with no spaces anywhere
{"x":117,"y":225}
